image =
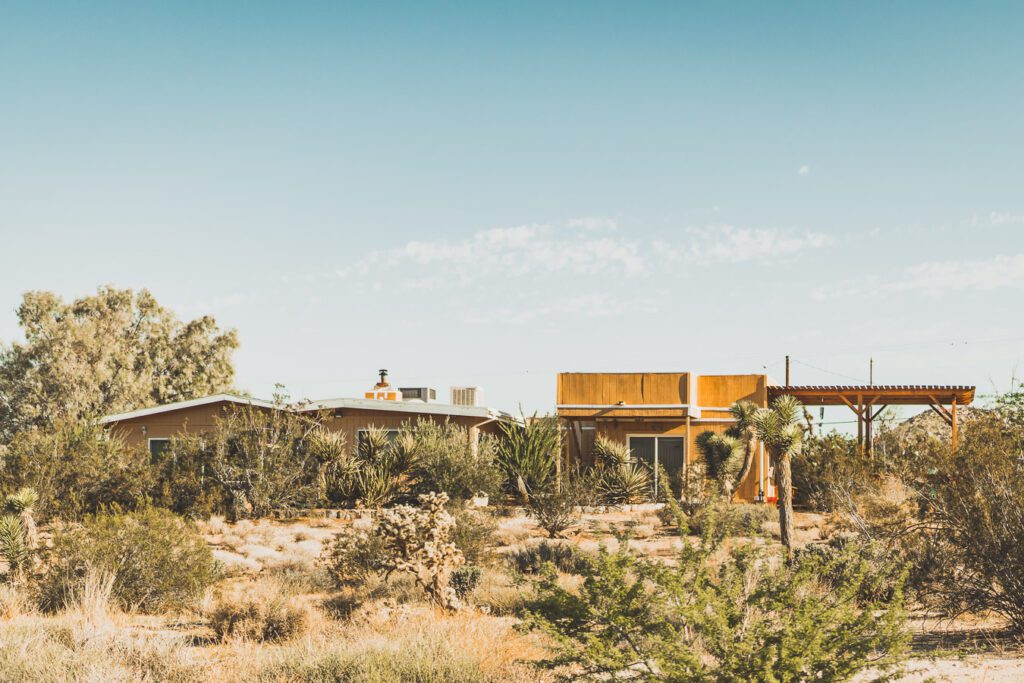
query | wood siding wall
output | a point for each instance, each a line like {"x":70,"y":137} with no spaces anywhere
{"x":201,"y":418}
{"x":607,"y":389}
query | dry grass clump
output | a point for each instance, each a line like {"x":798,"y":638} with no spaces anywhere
{"x":13,"y":602}
{"x":249,"y":547}
{"x":259,"y":612}
{"x":409,"y":643}
{"x":86,"y":642}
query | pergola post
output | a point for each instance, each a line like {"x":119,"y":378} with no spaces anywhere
{"x":953,"y":424}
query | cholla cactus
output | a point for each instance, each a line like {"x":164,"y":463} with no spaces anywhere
{"x":418,"y":541}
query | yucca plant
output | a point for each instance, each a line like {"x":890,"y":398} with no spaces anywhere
{"x":723,"y":457}
{"x":621,"y":480}
{"x":22,"y":503}
{"x":14,"y":551}
{"x":779,"y":429}
{"x":745,"y":430}
{"x":382,"y":462}
{"x":528,"y":453}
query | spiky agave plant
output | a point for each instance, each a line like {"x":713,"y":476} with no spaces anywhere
{"x":528,"y":453}
{"x":22,"y":503}
{"x":622,"y":481}
{"x":14,"y":551}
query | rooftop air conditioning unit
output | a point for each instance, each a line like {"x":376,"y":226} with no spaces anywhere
{"x":424,"y":394}
{"x":467,"y":396}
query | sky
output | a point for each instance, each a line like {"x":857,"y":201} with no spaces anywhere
{"x":490,"y":193}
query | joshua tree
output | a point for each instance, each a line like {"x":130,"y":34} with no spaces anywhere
{"x":723,"y":456}
{"x":745,"y":431}
{"x":779,"y":429}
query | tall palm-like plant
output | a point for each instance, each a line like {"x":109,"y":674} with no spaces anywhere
{"x":744,"y":430}
{"x":779,"y":429}
{"x":723,"y":457}
{"x":528,"y":453}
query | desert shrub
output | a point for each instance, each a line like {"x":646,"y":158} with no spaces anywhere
{"x":77,"y":468}
{"x":555,"y":511}
{"x":158,"y":560}
{"x":465,"y":579}
{"x":473,"y":534}
{"x":883,"y":566}
{"x":830,"y":471}
{"x":737,"y":519}
{"x":266,"y":459}
{"x":353,"y":557}
{"x":263,"y":612}
{"x":721,"y":614}
{"x":528,"y":453}
{"x":445,"y":459}
{"x":565,"y":557}
{"x":973,"y":516}
{"x":182,"y":478}
{"x":620,"y":480}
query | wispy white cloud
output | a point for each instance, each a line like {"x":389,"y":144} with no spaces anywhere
{"x":589,"y":305}
{"x":521,"y":250}
{"x":729,"y":244}
{"x":935,"y":278}
{"x":997,"y":218}
{"x":803,"y":170}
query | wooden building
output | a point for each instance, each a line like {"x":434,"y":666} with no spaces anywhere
{"x":153,"y":427}
{"x":660,"y":414}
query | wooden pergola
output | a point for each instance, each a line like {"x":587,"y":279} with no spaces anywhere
{"x":868,"y":402}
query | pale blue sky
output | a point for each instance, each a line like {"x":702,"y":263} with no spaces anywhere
{"x":483,"y":193}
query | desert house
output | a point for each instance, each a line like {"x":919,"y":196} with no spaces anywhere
{"x":660,"y":414}
{"x":383,"y":406}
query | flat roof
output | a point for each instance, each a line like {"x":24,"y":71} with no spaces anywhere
{"x":893,"y":394}
{"x":413,"y":406}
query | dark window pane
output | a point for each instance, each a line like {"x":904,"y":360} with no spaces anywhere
{"x":643,"y":449}
{"x":157,"y":447}
{"x":670,"y":454}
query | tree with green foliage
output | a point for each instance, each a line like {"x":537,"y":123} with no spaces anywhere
{"x":723,"y":457}
{"x":744,"y":430}
{"x":529,"y":453}
{"x":779,"y":429}
{"x":76,"y":467}
{"x":115,"y":351}
{"x":743,"y":616}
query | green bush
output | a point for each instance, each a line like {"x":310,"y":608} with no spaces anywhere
{"x":733,"y":519}
{"x":473,"y":534}
{"x":830,"y":471}
{"x":742,"y":617}
{"x":883,"y":568}
{"x":444,"y":459}
{"x":159,"y":561}
{"x":564,"y":556}
{"x":353,"y":557}
{"x":555,"y":511}
{"x":464,"y":580}
{"x":77,"y":468}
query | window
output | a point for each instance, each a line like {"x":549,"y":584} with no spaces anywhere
{"x":667,"y":451}
{"x":157,"y":448}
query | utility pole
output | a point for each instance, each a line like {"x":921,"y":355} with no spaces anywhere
{"x":871,"y":371}
{"x":787,"y":370}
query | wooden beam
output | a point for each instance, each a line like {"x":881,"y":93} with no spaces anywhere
{"x":879,"y":412}
{"x":941,"y":411}
{"x":848,"y":403}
